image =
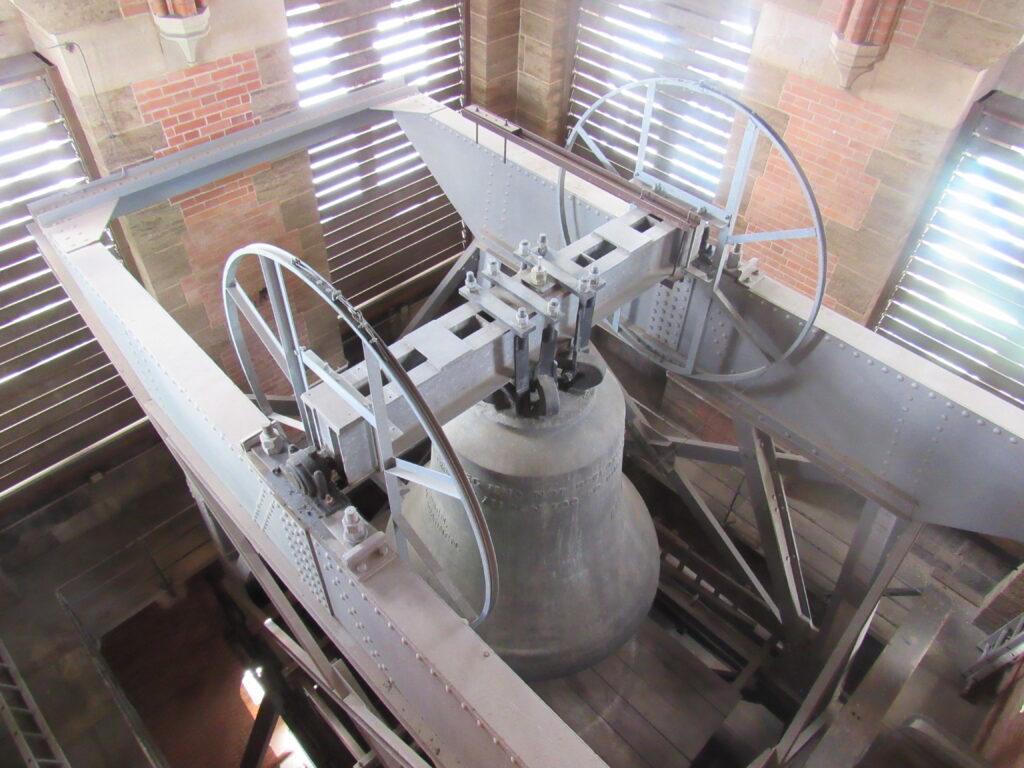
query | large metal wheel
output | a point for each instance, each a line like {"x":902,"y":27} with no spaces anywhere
{"x":643,"y":97}
{"x":296,"y":362}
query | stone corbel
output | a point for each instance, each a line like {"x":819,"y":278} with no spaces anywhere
{"x":854,"y":59}
{"x":861,"y":36}
{"x":185,"y":31}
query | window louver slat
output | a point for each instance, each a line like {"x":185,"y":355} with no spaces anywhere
{"x":47,"y":355}
{"x":618,"y":43}
{"x":365,"y":181}
{"x":960,"y":298}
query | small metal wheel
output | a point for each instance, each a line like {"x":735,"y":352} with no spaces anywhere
{"x":296,"y":362}
{"x":648,"y":100}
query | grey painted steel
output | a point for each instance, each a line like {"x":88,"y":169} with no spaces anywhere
{"x":891,"y":425}
{"x":457,"y":698}
{"x":576,"y":546}
{"x":775,"y":527}
{"x":822,"y":691}
{"x":143,"y":185}
{"x":486,"y":180}
{"x":861,"y":718}
{"x":29,"y":730}
{"x":1001,"y":648}
{"x":728,"y":216}
{"x":378,"y":358}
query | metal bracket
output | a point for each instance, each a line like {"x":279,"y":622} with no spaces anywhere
{"x":369,"y":556}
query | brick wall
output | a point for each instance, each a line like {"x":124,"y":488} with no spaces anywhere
{"x":188,"y":239}
{"x":870,"y":152}
{"x":201,"y":103}
{"x":180,"y":246}
{"x":519,"y":63}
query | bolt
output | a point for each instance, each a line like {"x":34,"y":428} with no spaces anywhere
{"x":493,"y":268}
{"x":554,"y":308}
{"x":522,"y":319}
{"x":271,"y":441}
{"x":542,"y":245}
{"x":523,"y":251}
{"x":355,"y":527}
{"x":471,"y":284}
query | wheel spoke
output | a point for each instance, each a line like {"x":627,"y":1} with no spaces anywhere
{"x":278,"y":293}
{"x":645,"y":129}
{"x":425,"y":476}
{"x":258,"y":325}
{"x":779,"y":234}
{"x":742,"y":327}
{"x":593,"y":147}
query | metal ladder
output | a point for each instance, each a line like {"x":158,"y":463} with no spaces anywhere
{"x":1002,"y":647}
{"x":31,"y":734}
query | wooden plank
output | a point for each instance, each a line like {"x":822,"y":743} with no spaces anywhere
{"x":56,"y":392}
{"x":387,"y":202}
{"x":432,"y":241}
{"x":588,"y":724}
{"x":51,"y":293}
{"x":21,"y":341}
{"x":52,"y":347}
{"x":658,"y":655}
{"x":76,"y":363}
{"x":394,"y":227}
{"x":629,"y":724}
{"x":667,"y":702}
{"x":59,"y":446}
{"x":53,"y":419}
{"x":424,"y":268}
{"x":29,"y":434}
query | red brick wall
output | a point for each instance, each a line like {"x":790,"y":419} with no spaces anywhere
{"x":832,"y":133}
{"x":203,"y":102}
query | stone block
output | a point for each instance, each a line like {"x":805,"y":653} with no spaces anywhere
{"x":967,"y":39}
{"x":540,"y":28}
{"x":853,"y":296}
{"x":487,"y":28}
{"x":920,"y":84}
{"x":539,"y":97}
{"x":166,"y":267}
{"x":805,"y":7}
{"x":192,"y":318}
{"x":555,"y":10}
{"x":1009,"y":12}
{"x":117,"y":106}
{"x":764,"y":82}
{"x":286,"y":178}
{"x":300,"y":211}
{"x":796,"y":42}
{"x":59,"y":16}
{"x":869,"y":254}
{"x":542,"y":61}
{"x":892,"y":212}
{"x":155,"y":228}
{"x":493,"y":7}
{"x":171,"y":296}
{"x":131,"y":147}
{"x":275,"y":63}
{"x":495,"y":58}
{"x":275,"y":100}
{"x":903,"y":175}
{"x":918,"y":141}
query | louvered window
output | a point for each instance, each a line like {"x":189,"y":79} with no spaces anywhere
{"x":960,"y":299}
{"x":619,"y":43}
{"x":384,"y":217}
{"x":58,"y":391}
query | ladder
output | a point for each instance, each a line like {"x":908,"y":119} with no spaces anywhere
{"x":31,"y":734}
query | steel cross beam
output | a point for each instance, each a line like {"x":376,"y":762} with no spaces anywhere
{"x":775,"y":526}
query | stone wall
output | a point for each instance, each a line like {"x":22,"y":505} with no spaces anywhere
{"x":135,"y":97}
{"x":872,"y":151}
{"x":520,"y":61}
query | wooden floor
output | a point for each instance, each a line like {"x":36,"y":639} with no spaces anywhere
{"x":651,"y":705}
